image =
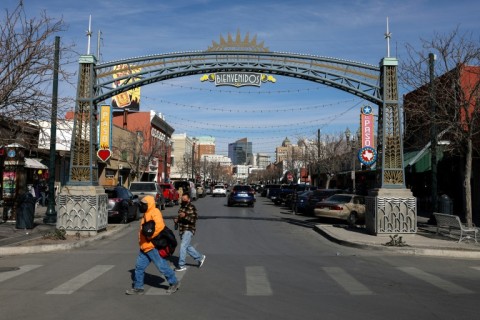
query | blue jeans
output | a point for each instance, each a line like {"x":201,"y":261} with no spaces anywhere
{"x":185,"y":248}
{"x":144,"y":259}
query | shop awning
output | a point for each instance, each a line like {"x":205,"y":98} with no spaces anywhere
{"x":34,"y":164}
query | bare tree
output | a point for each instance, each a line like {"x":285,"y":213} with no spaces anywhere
{"x":26,"y":65}
{"x":332,"y":156}
{"x":147,"y":150}
{"x":453,"y":105}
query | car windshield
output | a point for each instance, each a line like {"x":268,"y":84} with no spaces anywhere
{"x":142,"y":186}
{"x":219,"y":187}
{"x":339,"y":198}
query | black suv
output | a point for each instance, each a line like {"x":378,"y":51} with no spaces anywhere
{"x":122,"y":205}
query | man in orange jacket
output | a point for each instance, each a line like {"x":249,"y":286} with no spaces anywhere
{"x":148,"y":253}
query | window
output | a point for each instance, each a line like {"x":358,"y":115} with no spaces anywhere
{"x":109,"y":173}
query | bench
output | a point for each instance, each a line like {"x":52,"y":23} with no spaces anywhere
{"x":453,"y":222}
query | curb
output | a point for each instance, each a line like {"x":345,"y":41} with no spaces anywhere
{"x":416,"y":251}
{"x":19,"y":250}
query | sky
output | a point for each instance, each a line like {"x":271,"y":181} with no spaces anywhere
{"x":293,"y":108}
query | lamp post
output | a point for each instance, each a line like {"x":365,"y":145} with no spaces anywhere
{"x":351,"y":144}
{"x":193,"y":158}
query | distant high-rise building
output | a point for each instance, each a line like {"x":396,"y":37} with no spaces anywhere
{"x":262,"y":160}
{"x":240,"y":152}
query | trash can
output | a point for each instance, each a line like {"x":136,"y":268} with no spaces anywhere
{"x":445,"y":204}
{"x":25,"y":211}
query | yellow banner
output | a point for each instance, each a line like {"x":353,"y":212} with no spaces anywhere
{"x":131,"y":98}
{"x":105,"y":127}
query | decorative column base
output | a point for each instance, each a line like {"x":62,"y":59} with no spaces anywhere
{"x":391,"y":211}
{"x":82,"y":210}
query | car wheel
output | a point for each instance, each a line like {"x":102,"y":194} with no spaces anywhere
{"x":352,"y":219}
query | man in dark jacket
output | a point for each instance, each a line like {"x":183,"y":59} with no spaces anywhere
{"x":187,"y":219}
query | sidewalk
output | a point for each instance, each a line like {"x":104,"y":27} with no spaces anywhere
{"x":425,"y":242}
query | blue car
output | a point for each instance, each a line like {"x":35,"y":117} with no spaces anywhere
{"x":300,"y":205}
{"x":241,"y":195}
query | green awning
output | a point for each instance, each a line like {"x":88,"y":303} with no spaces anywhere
{"x":420,"y":161}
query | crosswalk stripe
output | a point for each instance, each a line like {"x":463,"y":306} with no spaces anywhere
{"x":257,"y":281}
{"x":349,"y":283}
{"x":79,"y":281}
{"x":476,"y":268}
{"x":21,"y":270}
{"x":434,"y":280}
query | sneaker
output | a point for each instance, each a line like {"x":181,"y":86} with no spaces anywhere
{"x":181,"y":269}
{"x":134,"y":291}
{"x":173,"y":288}
{"x":200,"y":264}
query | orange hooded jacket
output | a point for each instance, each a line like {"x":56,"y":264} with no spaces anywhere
{"x":152,"y":214}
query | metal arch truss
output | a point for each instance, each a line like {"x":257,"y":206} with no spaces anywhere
{"x":362,"y":80}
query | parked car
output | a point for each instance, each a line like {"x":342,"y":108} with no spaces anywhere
{"x":317,"y":196}
{"x":266,"y":189}
{"x":219,"y":190}
{"x":187,"y":187}
{"x":122,"y":205}
{"x":208,"y":190}
{"x":241,"y":195}
{"x":300,"y":203}
{"x":170,"y":194}
{"x":348,"y":207}
{"x":200,"y":191}
{"x":144,"y":188}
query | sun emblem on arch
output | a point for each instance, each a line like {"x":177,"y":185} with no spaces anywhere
{"x":238,"y":44}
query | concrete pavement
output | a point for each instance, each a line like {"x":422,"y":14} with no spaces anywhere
{"x":426,"y":242}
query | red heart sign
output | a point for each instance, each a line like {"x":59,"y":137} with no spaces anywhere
{"x":104,"y":154}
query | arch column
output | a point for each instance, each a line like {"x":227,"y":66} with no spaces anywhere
{"x":391,"y":208}
{"x":82,"y":203}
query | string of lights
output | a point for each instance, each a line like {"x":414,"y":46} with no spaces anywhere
{"x":216,"y":90}
{"x":252,"y":109}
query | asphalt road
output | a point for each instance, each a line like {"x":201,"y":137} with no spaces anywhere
{"x":262,"y":263}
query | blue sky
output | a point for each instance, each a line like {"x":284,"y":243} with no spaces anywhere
{"x":351,"y":30}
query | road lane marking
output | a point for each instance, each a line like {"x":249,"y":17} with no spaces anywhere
{"x":435,"y":281}
{"x":349,"y":283}
{"x":82,"y":279}
{"x":257,"y":281}
{"x":10,"y":274}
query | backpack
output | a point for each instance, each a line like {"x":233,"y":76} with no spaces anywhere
{"x":165,"y":242}
{"x":148,"y":228}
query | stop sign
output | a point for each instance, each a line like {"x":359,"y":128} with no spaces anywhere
{"x":104,"y":154}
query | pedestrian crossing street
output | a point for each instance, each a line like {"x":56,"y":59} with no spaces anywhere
{"x":257,"y":282}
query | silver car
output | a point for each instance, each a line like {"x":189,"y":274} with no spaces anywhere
{"x":349,"y":207}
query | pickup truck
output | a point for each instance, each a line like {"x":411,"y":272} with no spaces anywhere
{"x":170,"y":194}
{"x":144,"y":188}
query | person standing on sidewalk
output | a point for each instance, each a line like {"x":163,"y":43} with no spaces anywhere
{"x":148,"y":253}
{"x":186,"y":220}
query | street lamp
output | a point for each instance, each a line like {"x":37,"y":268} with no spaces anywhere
{"x":352,"y":144}
{"x":193,"y":158}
